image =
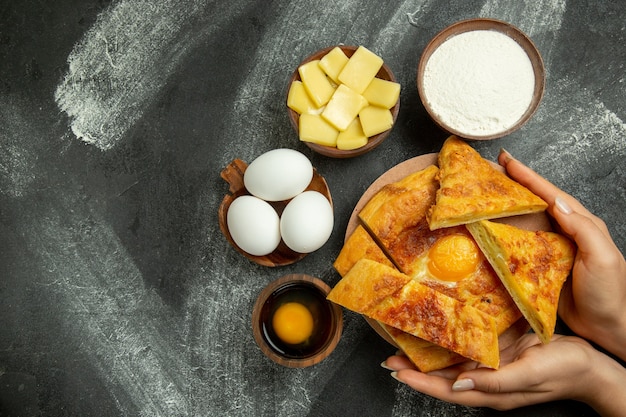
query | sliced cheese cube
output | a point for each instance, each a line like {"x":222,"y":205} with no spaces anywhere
{"x":299,"y":101}
{"x":333,"y":62}
{"x":382,"y":93}
{"x":343,"y":107}
{"x":313,"y":128}
{"x":315,"y":82}
{"x":375,"y":120}
{"x":352,"y":138}
{"x":360,"y":69}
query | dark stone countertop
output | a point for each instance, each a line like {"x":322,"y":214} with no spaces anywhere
{"x":119,"y":296}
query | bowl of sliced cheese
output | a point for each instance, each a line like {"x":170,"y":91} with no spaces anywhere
{"x":343,"y":101}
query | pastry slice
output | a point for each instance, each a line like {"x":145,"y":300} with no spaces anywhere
{"x":388,"y":296}
{"x":447,"y":260}
{"x":425,"y":356}
{"x":472,"y":189}
{"x":532,"y":266}
{"x":414,"y":190}
{"x":359,"y":245}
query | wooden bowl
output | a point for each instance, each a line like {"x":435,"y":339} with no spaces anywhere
{"x":282,"y":255}
{"x":384,"y":73}
{"x":328,"y":319}
{"x":492,"y":25}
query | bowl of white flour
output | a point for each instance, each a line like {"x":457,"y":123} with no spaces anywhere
{"x":481,"y":79}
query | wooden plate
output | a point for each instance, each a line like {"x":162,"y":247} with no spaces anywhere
{"x":282,"y":255}
{"x":536,"y":221}
{"x":384,"y":73}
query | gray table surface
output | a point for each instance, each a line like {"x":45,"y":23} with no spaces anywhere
{"x":119,"y":296}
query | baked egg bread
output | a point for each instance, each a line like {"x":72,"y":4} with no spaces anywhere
{"x":359,"y":245}
{"x":471,"y":189}
{"x":385,"y":294}
{"x":395,"y":245}
{"x":447,"y":260}
{"x":533,"y":267}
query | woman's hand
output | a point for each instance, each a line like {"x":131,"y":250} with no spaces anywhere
{"x":592,"y":302}
{"x":530,"y":373}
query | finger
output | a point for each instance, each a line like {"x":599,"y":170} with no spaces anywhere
{"x":549,"y":192}
{"x":452,"y":372}
{"x":535,"y":182}
{"x":397,"y":362}
{"x":515,"y":377}
{"x":441,"y":388}
{"x":592,"y":239}
{"x":511,"y":353}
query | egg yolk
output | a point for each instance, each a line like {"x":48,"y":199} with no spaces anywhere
{"x":293,"y":323}
{"x":453,"y":257}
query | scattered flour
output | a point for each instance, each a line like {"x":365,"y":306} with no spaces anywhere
{"x":122,"y":63}
{"x":479,"y":83}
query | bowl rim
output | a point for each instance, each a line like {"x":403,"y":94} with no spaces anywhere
{"x":334,"y":336}
{"x":332,"y":152}
{"x":506,"y":28}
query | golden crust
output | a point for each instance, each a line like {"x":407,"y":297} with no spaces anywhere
{"x":533,"y":267}
{"x":396,"y":219}
{"x":386,"y":295}
{"x":367,"y":284}
{"x":425,"y":356}
{"x":471,"y":189}
{"x":358,"y":246}
{"x":413,"y":191}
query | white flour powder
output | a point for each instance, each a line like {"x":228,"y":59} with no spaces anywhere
{"x":479,"y":82}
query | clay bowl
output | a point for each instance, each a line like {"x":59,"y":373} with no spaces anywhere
{"x":282,"y":255}
{"x":492,"y":25}
{"x":310,"y":292}
{"x":384,"y":73}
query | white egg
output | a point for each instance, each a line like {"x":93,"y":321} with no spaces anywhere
{"x":278,"y":175}
{"x":307,"y":222}
{"x":254,"y":225}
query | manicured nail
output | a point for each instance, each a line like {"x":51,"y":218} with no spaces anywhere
{"x":562,"y":206}
{"x":507,"y":156}
{"x":463,"y":385}
{"x":384,"y":365}
{"x":394,"y":375}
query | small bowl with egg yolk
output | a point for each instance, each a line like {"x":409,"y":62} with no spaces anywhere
{"x":294,"y":324}
{"x":343,"y":101}
{"x":480,"y":79}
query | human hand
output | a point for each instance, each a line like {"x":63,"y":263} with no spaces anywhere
{"x":592,"y":302}
{"x":530,"y":372}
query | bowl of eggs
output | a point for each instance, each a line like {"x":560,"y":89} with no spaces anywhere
{"x":294,"y":324}
{"x":278,"y":210}
{"x":481,"y":79}
{"x":342,"y":101}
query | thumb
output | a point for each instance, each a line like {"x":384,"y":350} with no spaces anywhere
{"x":510,"y":379}
{"x":589,"y":237}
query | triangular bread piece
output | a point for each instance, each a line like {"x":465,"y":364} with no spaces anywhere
{"x":385,"y":294}
{"x":425,"y":356}
{"x":359,"y":245}
{"x":471,"y":189}
{"x":532,"y":266}
{"x":395,"y":217}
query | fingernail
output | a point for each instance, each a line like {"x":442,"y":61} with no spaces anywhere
{"x":562,"y":206}
{"x":507,"y":156}
{"x":463,"y":385}
{"x":394,"y":375}
{"x":384,"y":365}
